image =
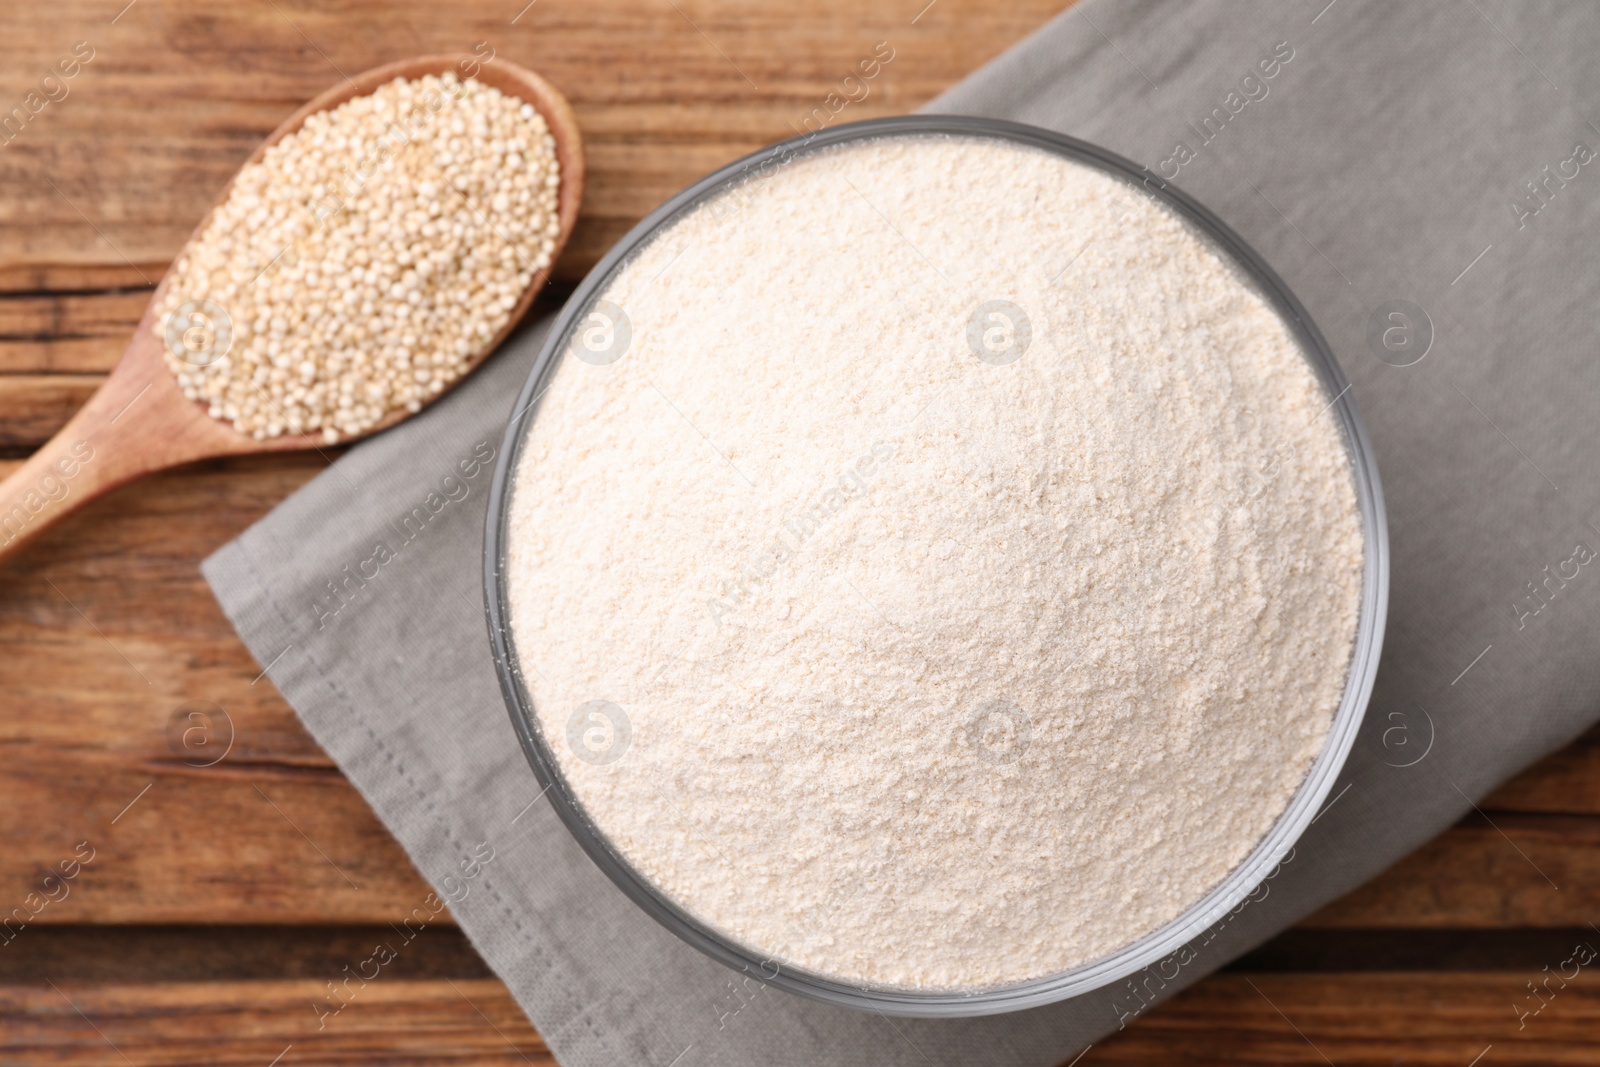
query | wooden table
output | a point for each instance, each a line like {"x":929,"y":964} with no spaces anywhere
{"x":210,"y":916}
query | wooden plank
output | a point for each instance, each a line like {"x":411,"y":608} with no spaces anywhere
{"x":205,"y":952}
{"x":52,"y":279}
{"x":250,"y":1024}
{"x":118,"y":632}
{"x":1307,"y":950}
{"x":1355,"y":1020}
{"x":1426,"y":1019}
{"x":66,"y":333}
{"x":34,"y":406}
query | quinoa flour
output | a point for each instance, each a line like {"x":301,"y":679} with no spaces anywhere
{"x":938,"y":567}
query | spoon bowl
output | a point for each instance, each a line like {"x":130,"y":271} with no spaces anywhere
{"x":139,"y":421}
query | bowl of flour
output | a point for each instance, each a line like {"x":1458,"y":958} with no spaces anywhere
{"x":936,"y":567}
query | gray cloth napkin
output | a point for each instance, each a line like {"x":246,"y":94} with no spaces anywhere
{"x":1436,"y":154}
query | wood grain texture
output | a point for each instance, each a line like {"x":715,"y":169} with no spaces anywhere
{"x":1425,"y":1019}
{"x":63,"y":333}
{"x":1362,"y":1019}
{"x":472,"y":1021}
{"x":109,"y":629}
{"x":120,"y":632}
{"x":36,"y":406}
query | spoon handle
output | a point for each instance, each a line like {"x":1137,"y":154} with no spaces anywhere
{"x":129,"y":427}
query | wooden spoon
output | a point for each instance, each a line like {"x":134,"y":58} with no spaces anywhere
{"x":139,"y":420}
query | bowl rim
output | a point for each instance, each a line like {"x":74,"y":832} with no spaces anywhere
{"x":1245,"y":877}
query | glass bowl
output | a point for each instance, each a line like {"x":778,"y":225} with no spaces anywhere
{"x":1136,"y":955}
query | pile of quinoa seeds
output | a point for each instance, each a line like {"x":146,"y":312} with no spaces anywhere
{"x":933,"y":565}
{"x":367,"y":258}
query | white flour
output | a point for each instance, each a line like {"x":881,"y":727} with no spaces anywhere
{"x":909,"y":667}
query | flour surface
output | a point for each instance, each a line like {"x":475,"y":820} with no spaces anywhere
{"x":905,"y":640}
